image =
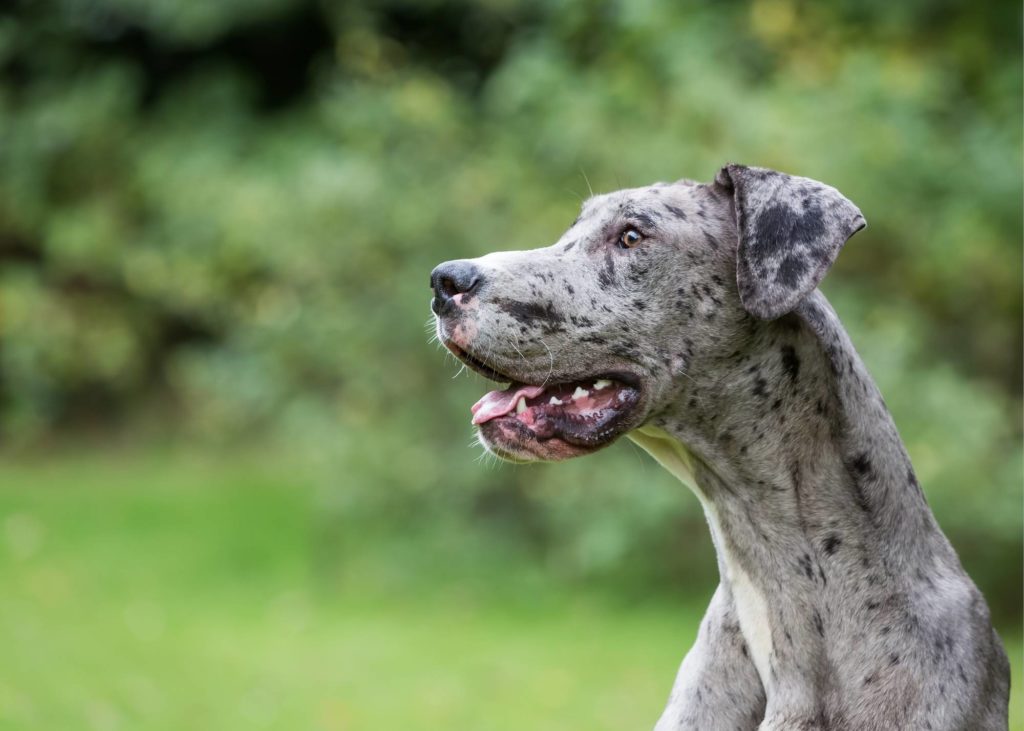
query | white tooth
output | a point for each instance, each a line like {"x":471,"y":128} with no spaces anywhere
{"x":603,"y":383}
{"x":580,"y":393}
{"x":520,"y":405}
{"x":555,"y":401}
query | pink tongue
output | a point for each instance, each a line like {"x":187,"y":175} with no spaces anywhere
{"x":499,"y":403}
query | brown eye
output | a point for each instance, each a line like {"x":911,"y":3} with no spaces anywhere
{"x":630,"y":238}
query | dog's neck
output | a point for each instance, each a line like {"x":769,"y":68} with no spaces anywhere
{"x":805,"y":482}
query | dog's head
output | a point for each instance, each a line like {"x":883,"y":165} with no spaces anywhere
{"x":594,"y":333}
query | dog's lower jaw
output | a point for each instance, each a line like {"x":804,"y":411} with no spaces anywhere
{"x":853,"y":608}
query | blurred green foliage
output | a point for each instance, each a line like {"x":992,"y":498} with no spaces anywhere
{"x":218,"y":218}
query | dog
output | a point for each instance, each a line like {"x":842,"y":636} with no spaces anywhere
{"x":686,"y":317}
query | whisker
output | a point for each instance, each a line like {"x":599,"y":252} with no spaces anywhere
{"x":551,"y":366}
{"x":589,"y":186}
{"x":696,"y":395}
{"x":516,"y":348}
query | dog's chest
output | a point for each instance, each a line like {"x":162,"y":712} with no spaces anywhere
{"x":751,"y":606}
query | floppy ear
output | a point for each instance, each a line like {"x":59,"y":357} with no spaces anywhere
{"x":791,"y":230}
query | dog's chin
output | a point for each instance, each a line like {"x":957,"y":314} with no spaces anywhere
{"x":510,"y":441}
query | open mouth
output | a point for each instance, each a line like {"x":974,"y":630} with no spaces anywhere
{"x":586,"y":413}
{"x":583,"y":413}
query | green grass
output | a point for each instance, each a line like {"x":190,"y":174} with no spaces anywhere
{"x":165,"y":591}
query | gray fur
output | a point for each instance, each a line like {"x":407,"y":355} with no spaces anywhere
{"x":842,"y":605}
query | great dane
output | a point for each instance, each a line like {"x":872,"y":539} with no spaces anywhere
{"x":686,"y":316}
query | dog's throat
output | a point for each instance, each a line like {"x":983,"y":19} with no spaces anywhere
{"x":669,"y":452}
{"x":750,"y":603}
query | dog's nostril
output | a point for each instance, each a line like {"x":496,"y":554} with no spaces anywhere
{"x":454,"y":277}
{"x":449,"y":287}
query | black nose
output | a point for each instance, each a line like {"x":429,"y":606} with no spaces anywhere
{"x":452,"y":278}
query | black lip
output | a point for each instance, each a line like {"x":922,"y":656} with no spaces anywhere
{"x":478,"y":365}
{"x":493,"y":374}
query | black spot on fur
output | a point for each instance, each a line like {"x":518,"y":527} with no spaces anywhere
{"x":861,"y":465}
{"x":569,"y":246}
{"x":790,"y":271}
{"x":810,"y":226}
{"x":677,"y":212}
{"x":771,"y":230}
{"x":530,"y":312}
{"x":644,"y":218}
{"x":818,"y":624}
{"x":779,"y":226}
{"x":790,"y":362}
{"x":607,"y":275}
{"x":831,"y":543}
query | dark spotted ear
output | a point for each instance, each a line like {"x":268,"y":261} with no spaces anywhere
{"x":791,"y":230}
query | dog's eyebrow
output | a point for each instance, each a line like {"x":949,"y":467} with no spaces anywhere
{"x":645,"y":217}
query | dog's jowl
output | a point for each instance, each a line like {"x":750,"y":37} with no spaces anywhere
{"x":686,"y":317}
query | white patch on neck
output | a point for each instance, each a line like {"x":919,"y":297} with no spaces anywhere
{"x":751,"y":607}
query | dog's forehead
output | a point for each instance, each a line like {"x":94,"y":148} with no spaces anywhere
{"x":649,"y":196}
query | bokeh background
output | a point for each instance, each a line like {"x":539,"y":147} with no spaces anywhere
{"x":236,"y":485}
